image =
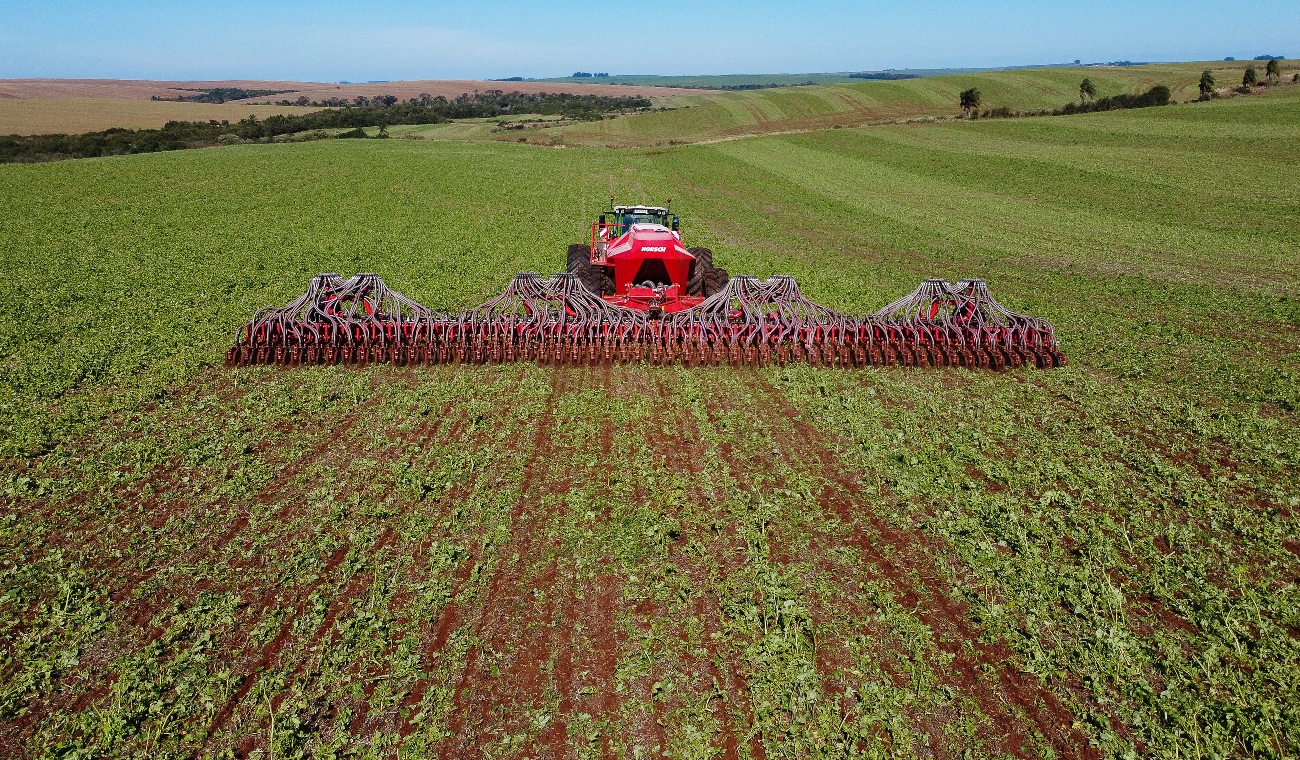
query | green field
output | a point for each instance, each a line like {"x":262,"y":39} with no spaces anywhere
{"x":727,"y":115}
{"x":524,"y":561}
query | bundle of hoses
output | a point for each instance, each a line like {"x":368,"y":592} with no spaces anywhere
{"x":557,"y":320}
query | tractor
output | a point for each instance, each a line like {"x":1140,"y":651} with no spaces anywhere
{"x":636,"y":259}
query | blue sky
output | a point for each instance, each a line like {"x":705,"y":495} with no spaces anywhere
{"x":401,"y":39}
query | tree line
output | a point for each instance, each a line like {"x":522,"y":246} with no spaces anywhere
{"x":1249,"y":80}
{"x":221,"y":95}
{"x":489,"y":104}
{"x":382,"y":112}
{"x":970,"y":101}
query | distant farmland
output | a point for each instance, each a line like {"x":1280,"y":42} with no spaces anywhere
{"x":41,"y":117}
{"x":49,"y":106}
{"x":729,"y":115}
{"x":522,"y":561}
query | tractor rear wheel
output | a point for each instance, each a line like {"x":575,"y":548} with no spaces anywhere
{"x":703,"y":263}
{"x":579,"y":254}
{"x":714,"y":281}
{"x":594,"y":277}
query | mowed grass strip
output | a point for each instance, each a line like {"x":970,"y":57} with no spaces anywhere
{"x":795,"y":559}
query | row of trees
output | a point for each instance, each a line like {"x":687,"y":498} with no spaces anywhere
{"x":971,"y":99}
{"x":223,"y":95}
{"x":1272,"y":74}
{"x":485,"y":105}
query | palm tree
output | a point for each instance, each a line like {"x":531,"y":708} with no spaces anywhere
{"x":1251,"y":78}
{"x":970,"y":100}
{"x":1087,"y":91}
{"x":1207,"y":83}
{"x":1274,"y":71}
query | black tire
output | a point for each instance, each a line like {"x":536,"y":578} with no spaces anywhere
{"x":579,"y":255}
{"x":715,"y":280}
{"x":703,"y":263}
{"x":596,"y":278}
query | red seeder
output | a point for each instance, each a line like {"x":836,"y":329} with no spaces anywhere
{"x":558,"y":320}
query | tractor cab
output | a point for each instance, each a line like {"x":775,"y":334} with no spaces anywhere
{"x":622,"y":219}
{"x":626,"y":216}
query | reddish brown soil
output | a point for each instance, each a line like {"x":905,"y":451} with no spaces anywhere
{"x":139,"y":89}
{"x":526,"y":647}
{"x":684,"y":451}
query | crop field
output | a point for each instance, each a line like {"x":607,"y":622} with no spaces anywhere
{"x":724,"y":115}
{"x":62,"y":106}
{"x":50,"y":116}
{"x":526,"y":561}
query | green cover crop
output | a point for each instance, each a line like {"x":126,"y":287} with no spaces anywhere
{"x":636,"y":561}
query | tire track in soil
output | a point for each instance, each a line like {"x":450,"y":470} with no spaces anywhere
{"x":741,"y":468}
{"x":136,"y":614}
{"x":406,"y":442}
{"x":760,"y":118}
{"x":650,"y":725}
{"x":685,"y":451}
{"x":502,"y":620}
{"x":647,"y":726}
{"x":593,"y":663}
{"x":434,"y":636}
{"x":528,"y":614}
{"x":900,"y":553}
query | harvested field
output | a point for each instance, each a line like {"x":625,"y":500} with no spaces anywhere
{"x":41,"y":116}
{"x":531,"y":561}
{"x":122,"y":89}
